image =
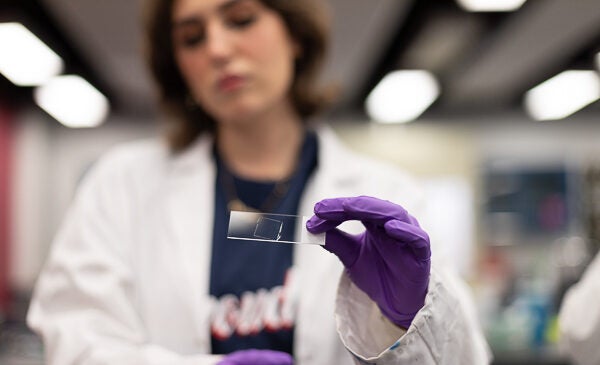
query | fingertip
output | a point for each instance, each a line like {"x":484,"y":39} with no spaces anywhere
{"x":318,"y":207}
{"x":317,"y":225}
{"x":344,"y":245}
{"x":329,"y":205}
{"x":311,"y":223}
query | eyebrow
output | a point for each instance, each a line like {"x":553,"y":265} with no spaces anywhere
{"x":195,"y":20}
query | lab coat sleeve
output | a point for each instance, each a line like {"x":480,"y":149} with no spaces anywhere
{"x":579,"y":318}
{"x":83,"y":305}
{"x":445,"y":330}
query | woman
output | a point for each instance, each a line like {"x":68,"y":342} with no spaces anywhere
{"x":142,"y":271}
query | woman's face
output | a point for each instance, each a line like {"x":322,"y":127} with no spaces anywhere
{"x":236,"y":56}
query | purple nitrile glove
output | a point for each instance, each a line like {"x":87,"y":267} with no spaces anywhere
{"x":389,"y":260}
{"x":257,"y":357}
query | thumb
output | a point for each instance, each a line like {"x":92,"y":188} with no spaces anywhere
{"x":344,"y":245}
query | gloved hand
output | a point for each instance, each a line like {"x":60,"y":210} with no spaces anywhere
{"x":257,"y":357}
{"x":389,"y":260}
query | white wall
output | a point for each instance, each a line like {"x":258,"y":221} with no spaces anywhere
{"x":48,"y":162}
{"x":575,"y":139}
{"x":30,"y":192}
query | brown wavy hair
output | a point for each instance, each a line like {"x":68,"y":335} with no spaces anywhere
{"x":308,"y":23}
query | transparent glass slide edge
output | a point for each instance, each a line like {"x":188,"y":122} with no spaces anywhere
{"x":269,"y":227}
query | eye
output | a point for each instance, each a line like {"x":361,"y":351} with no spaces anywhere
{"x":192,"y":40}
{"x":241,"y":21}
{"x":189,"y":36}
{"x":241,"y":15}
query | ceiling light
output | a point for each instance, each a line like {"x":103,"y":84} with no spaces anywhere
{"x":402,"y":96}
{"x":26,"y":60}
{"x":72,"y":101}
{"x":563,"y":95}
{"x":490,"y":5}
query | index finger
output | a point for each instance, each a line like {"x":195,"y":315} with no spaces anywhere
{"x":363,"y":208}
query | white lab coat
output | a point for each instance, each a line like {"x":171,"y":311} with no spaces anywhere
{"x":127,"y":278}
{"x":579,"y":317}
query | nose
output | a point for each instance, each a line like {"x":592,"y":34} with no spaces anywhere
{"x":218,"y":44}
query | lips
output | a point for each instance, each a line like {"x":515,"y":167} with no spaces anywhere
{"x":230,"y":83}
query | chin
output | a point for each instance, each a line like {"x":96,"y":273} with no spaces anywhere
{"x":240,"y":111}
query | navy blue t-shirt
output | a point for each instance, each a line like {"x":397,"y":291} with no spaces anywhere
{"x":252,"y":270}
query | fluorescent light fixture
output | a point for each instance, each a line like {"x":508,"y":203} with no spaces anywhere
{"x":490,"y":5}
{"x":26,"y":60}
{"x":72,"y":101}
{"x":563,"y":95}
{"x":402,"y":96}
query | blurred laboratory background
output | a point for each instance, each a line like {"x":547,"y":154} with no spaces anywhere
{"x":493,"y":104}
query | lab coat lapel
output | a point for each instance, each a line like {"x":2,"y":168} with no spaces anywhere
{"x":189,"y":210}
{"x":317,"y":270}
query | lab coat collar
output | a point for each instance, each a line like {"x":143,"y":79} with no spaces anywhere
{"x":338,"y":167}
{"x":329,"y":153}
{"x":194,"y":158}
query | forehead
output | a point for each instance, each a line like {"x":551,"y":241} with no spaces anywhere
{"x":184,"y":8}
